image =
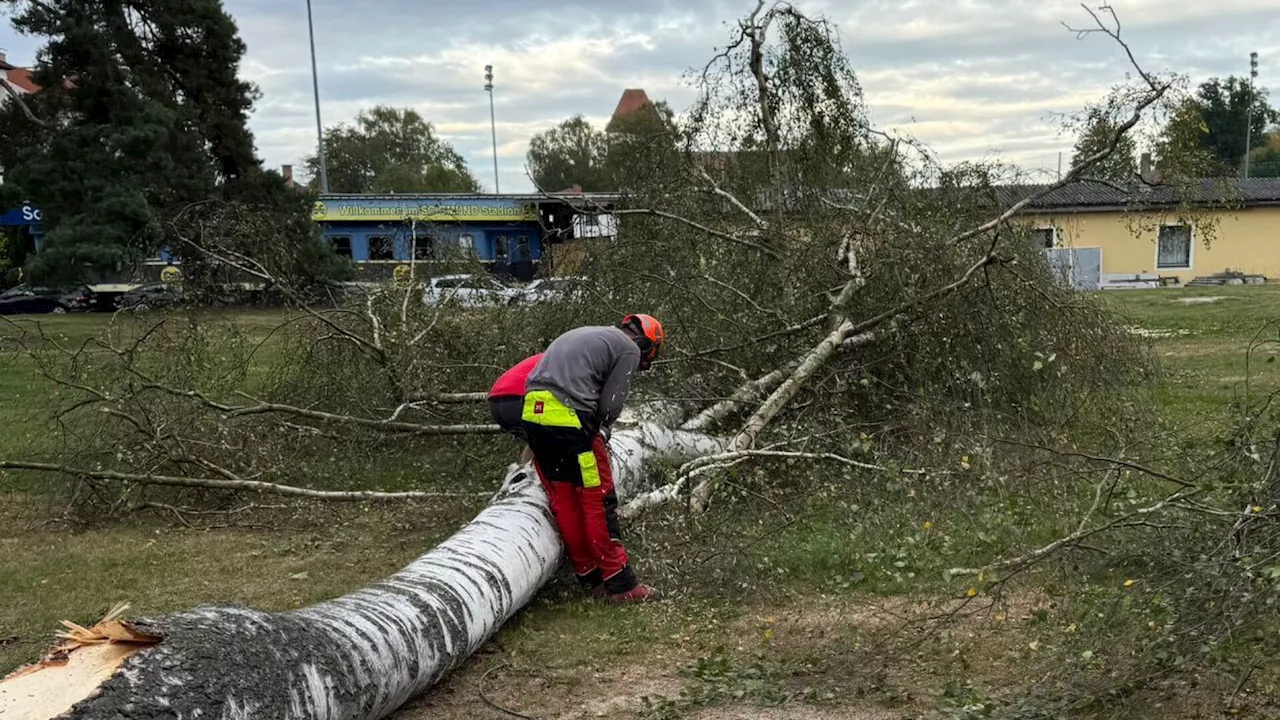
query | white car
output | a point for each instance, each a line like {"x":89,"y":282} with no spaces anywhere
{"x":555,"y":290}
{"x":468,"y":291}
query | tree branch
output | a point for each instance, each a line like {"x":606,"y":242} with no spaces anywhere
{"x":1079,"y":535}
{"x":216,"y":484}
{"x":22,"y":105}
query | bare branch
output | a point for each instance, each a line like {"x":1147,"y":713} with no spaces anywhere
{"x":698,"y":226}
{"x":22,"y":105}
{"x":1126,"y":520}
{"x":717,"y":190}
{"x":216,"y":484}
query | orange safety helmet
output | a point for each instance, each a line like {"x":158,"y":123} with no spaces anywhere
{"x":649,"y":336}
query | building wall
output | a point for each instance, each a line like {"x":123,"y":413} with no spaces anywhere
{"x":491,"y":228}
{"x":486,"y":241}
{"x":1246,"y":239}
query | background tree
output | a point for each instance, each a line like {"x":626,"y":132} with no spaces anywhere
{"x":1098,"y":128}
{"x":642,"y":145}
{"x":389,"y":150}
{"x":631,"y":148}
{"x":145,"y":115}
{"x":1214,"y":121}
{"x":1264,"y":161}
{"x":571,"y":153}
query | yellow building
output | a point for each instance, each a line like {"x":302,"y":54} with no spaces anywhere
{"x":1174,"y":234}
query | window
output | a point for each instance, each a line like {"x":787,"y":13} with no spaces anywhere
{"x":381,"y":248}
{"x":466,"y":241}
{"x":1045,"y":237}
{"x":1174,"y":247}
{"x":500,"y":248}
{"x":424,"y":246}
{"x":341,"y":246}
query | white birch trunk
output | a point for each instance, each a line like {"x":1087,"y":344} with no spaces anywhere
{"x":361,"y":656}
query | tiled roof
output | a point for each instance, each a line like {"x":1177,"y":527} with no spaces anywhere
{"x":632,"y":99}
{"x":21,"y":77}
{"x":1096,"y":195}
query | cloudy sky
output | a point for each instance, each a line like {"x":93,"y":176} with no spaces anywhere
{"x":973,"y":78}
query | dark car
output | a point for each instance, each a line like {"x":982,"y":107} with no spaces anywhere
{"x":150,"y":297}
{"x":81,"y":299}
{"x":28,"y":299}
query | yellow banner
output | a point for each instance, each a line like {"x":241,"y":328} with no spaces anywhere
{"x":435,"y":212}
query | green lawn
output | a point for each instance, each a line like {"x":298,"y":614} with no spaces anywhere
{"x":1216,"y":344}
{"x":54,"y":571}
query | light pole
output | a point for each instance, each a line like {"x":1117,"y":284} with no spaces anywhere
{"x":315,"y":87}
{"x":493,"y":128}
{"x":1248,"y":132}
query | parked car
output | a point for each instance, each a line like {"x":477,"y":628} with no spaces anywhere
{"x":29,"y":299}
{"x":468,"y":291}
{"x":150,"y":297}
{"x":82,"y":299}
{"x":555,"y":290}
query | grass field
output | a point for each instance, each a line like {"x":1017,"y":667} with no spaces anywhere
{"x":565,"y":655}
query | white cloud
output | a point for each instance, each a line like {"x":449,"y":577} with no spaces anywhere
{"x":966,"y":76}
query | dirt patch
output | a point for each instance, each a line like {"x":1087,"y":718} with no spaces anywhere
{"x":795,"y":712}
{"x":844,"y":620}
{"x":615,"y":690}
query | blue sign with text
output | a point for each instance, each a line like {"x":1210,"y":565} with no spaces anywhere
{"x":25,"y":215}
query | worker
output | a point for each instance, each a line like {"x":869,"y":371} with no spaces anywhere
{"x":506,"y":401}
{"x":572,"y":398}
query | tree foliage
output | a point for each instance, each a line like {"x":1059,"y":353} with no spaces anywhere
{"x":1211,"y":127}
{"x":1098,"y":128}
{"x":630,"y":148}
{"x":571,"y":153}
{"x":145,"y":116}
{"x":391,"y":150}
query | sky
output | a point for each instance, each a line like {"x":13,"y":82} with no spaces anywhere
{"x":974,"y":79}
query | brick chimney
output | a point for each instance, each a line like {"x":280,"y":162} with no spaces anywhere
{"x":287,"y":172}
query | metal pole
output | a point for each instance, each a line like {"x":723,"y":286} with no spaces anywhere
{"x":493,"y":127}
{"x":315,"y":87}
{"x":1248,"y":132}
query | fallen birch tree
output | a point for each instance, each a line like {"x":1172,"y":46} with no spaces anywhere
{"x":357,"y":657}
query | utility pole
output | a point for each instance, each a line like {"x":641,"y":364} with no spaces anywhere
{"x":493,"y":128}
{"x":315,"y":87}
{"x":1248,"y":131}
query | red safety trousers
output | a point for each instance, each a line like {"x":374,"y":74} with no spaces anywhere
{"x":573,"y":465}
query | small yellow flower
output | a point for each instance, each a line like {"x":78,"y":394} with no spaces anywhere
{"x":1257,"y":508}
{"x":973,"y":592}
{"x":1130,"y":583}
{"x":964,"y":462}
{"x":928,"y":526}
{"x":1071,"y":628}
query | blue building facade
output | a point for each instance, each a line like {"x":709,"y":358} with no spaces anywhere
{"x":496,"y":230}
{"x":509,"y":234}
